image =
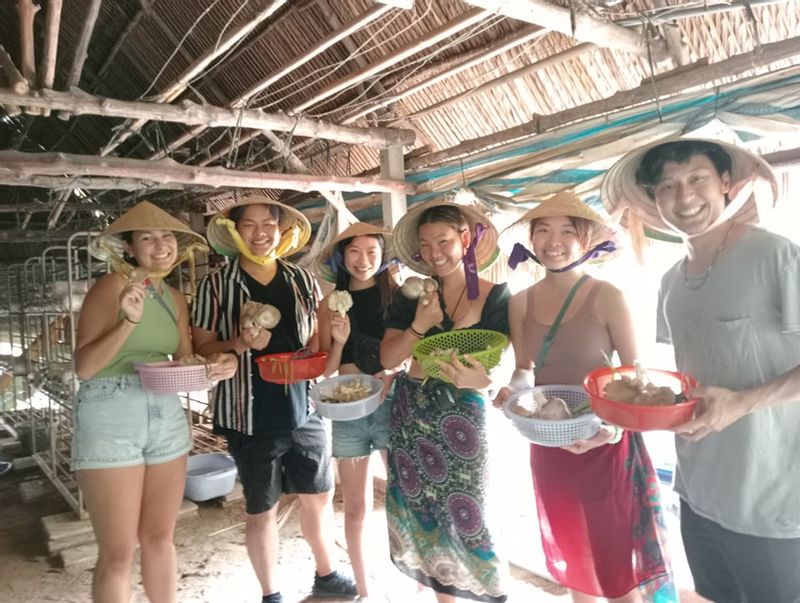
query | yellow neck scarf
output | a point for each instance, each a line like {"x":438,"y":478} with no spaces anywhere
{"x":286,"y":243}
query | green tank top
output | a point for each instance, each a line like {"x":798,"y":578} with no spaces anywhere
{"x":153,"y":339}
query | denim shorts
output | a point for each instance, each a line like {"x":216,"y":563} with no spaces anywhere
{"x":119,"y":424}
{"x":353,"y":439}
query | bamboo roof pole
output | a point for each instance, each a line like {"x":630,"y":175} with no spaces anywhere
{"x":444,"y":31}
{"x":62,"y":183}
{"x":142,"y":11}
{"x":434,"y":37}
{"x":699,"y":73}
{"x":507,"y":43}
{"x":587,"y":27}
{"x":52,"y":24}
{"x":193,"y":70}
{"x":190,"y":113}
{"x":672,"y":38}
{"x":81,"y":50}
{"x":360,"y":21}
{"x":553,"y":59}
{"x":16,"y":163}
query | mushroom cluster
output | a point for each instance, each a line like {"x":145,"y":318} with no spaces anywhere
{"x":340,"y":301}
{"x":256,"y":316}
{"x":423,"y":289}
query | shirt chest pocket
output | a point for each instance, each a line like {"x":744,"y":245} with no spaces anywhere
{"x":734,"y":343}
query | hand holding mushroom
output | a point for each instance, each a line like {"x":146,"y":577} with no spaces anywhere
{"x":256,"y":320}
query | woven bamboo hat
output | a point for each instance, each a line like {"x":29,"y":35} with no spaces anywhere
{"x":325,"y":266}
{"x":109,"y":246}
{"x":405,"y":238}
{"x":620,"y":191}
{"x":565,"y":203}
{"x":294,"y":227}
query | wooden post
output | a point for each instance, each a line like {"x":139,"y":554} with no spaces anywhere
{"x":81,"y":50}
{"x":394,"y":203}
{"x":27,"y":11}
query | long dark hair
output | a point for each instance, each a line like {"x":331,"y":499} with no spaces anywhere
{"x":383,"y":280}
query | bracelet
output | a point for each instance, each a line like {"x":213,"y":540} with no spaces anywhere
{"x":133,"y":322}
{"x":415,"y":333}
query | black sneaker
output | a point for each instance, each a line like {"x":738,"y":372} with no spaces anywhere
{"x":334,"y":585}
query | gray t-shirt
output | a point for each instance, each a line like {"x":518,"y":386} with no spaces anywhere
{"x":739,"y":330}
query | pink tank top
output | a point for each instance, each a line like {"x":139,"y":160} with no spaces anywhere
{"x":576,"y":349}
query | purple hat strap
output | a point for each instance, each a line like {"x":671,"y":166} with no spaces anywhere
{"x":470,"y":263}
{"x":520,"y":253}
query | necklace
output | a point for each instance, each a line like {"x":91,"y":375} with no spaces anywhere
{"x":458,"y":304}
{"x":696,"y":282}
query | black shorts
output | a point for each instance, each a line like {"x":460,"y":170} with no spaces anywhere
{"x":729,"y":567}
{"x":292,"y":462}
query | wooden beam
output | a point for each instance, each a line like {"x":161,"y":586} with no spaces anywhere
{"x":587,"y":28}
{"x":677,"y":49}
{"x":193,"y":114}
{"x":242,"y":100}
{"x":27,"y":12}
{"x":505,"y":44}
{"x":395,"y":204}
{"x":15,"y":79}
{"x":52,"y":23}
{"x":81,"y":49}
{"x":439,"y":34}
{"x":65,"y":183}
{"x":196,"y":68}
{"x":15,"y":163}
{"x":702,"y":75}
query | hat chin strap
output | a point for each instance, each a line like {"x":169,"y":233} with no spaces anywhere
{"x":286,"y":243}
{"x":520,"y":254}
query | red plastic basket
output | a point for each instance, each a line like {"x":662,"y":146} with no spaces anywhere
{"x":290,"y":367}
{"x":638,"y":417}
{"x":171,"y":377}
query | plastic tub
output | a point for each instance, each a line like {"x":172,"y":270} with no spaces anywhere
{"x":347,"y":411}
{"x":209,"y":475}
{"x":638,"y":417}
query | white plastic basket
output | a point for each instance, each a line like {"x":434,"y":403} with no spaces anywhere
{"x":171,"y":377}
{"x":555,"y":433}
{"x":347,"y":411}
{"x":209,"y":475}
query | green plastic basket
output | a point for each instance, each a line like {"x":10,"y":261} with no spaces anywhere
{"x":483,"y":345}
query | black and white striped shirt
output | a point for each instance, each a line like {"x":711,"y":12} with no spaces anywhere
{"x":220,"y":297}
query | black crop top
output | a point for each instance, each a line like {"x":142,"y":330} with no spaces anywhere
{"x":366,"y":331}
{"x":494,"y":315}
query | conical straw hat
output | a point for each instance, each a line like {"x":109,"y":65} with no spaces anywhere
{"x":294,"y":227}
{"x":358,"y":229}
{"x":405,"y":238}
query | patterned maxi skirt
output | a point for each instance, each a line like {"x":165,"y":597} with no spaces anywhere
{"x":435,"y":502}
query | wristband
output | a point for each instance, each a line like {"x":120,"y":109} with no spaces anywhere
{"x":133,"y":322}
{"x":415,"y":333}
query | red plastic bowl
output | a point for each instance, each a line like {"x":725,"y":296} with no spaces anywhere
{"x":287,"y":367}
{"x":638,"y":417}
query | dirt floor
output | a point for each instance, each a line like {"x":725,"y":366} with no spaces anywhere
{"x":213,"y":564}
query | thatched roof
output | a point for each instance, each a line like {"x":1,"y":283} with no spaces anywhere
{"x":523,"y":95}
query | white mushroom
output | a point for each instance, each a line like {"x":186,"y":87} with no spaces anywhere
{"x":256,"y":316}
{"x":413,"y":287}
{"x":555,"y":409}
{"x":340,"y":301}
